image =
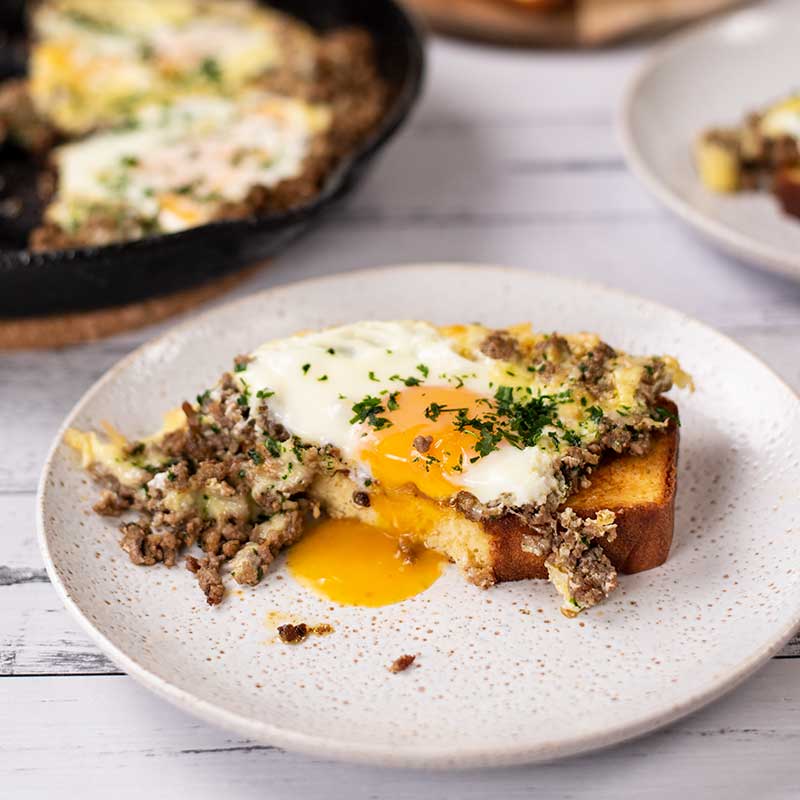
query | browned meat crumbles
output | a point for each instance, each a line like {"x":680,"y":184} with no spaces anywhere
{"x":226,"y":484}
{"x":361,"y":499}
{"x":401,"y":663}
{"x":499,"y":344}
{"x":423,"y":443}
{"x":577,"y":566}
{"x":207,"y":571}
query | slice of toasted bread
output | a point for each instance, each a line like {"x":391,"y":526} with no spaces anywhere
{"x":787,"y":190}
{"x":640,"y":490}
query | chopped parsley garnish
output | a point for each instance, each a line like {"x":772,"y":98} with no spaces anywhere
{"x":153,"y":470}
{"x":90,"y":22}
{"x":519,"y":422}
{"x":255,"y":456}
{"x":240,"y":367}
{"x":391,"y":403}
{"x":273,"y":446}
{"x":306,"y":368}
{"x":661,"y":414}
{"x":322,"y":378}
{"x":504,"y":396}
{"x":244,"y":398}
{"x":372,"y":377}
{"x":595,"y":413}
{"x":331,"y":351}
{"x":423,"y":369}
{"x":210,"y":70}
{"x":434,"y":411}
{"x":263,"y":394}
{"x":202,"y":399}
{"x":409,"y":381}
{"x":368,"y":410}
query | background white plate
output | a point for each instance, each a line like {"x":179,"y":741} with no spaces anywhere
{"x":713,"y":76}
{"x":495,"y":685}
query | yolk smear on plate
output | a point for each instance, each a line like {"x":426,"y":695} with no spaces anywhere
{"x":356,"y":564}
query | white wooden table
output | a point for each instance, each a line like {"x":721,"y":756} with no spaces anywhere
{"x":511,"y":159}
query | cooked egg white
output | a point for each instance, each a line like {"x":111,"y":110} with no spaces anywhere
{"x":179,"y":161}
{"x":319,"y":380}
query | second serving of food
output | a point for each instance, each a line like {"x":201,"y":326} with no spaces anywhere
{"x":762,"y":153}
{"x":156,"y":117}
{"x":378,"y":450}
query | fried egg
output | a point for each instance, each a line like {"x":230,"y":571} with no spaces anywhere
{"x":95,"y":61}
{"x":176,"y":163}
{"x":392,"y":398}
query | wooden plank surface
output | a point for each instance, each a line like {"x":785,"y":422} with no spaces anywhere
{"x":106,"y":737}
{"x":511,"y":159}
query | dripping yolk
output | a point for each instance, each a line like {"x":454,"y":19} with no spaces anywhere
{"x":356,"y":564}
{"x":353,"y":563}
{"x":425,"y":450}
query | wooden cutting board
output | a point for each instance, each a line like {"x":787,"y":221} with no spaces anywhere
{"x":581,"y":23}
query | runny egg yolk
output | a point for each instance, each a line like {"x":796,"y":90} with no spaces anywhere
{"x":425,"y":451}
{"x":353,"y":563}
{"x":359,"y":565}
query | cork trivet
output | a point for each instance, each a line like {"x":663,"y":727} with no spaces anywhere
{"x":85,"y":326}
{"x":581,"y":23}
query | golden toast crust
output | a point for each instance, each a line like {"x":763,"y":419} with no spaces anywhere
{"x":644,"y":527}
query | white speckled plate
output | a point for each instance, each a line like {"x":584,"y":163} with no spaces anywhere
{"x":713,"y":76}
{"x":502,"y":676}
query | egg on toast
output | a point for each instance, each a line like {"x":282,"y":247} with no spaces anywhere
{"x":511,"y":453}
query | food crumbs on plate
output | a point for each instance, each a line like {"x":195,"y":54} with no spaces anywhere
{"x":294,"y":634}
{"x":402,"y":663}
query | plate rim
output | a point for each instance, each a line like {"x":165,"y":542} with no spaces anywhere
{"x":418,"y":757}
{"x":752,"y":251}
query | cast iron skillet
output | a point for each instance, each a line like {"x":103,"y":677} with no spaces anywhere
{"x":93,"y":277}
